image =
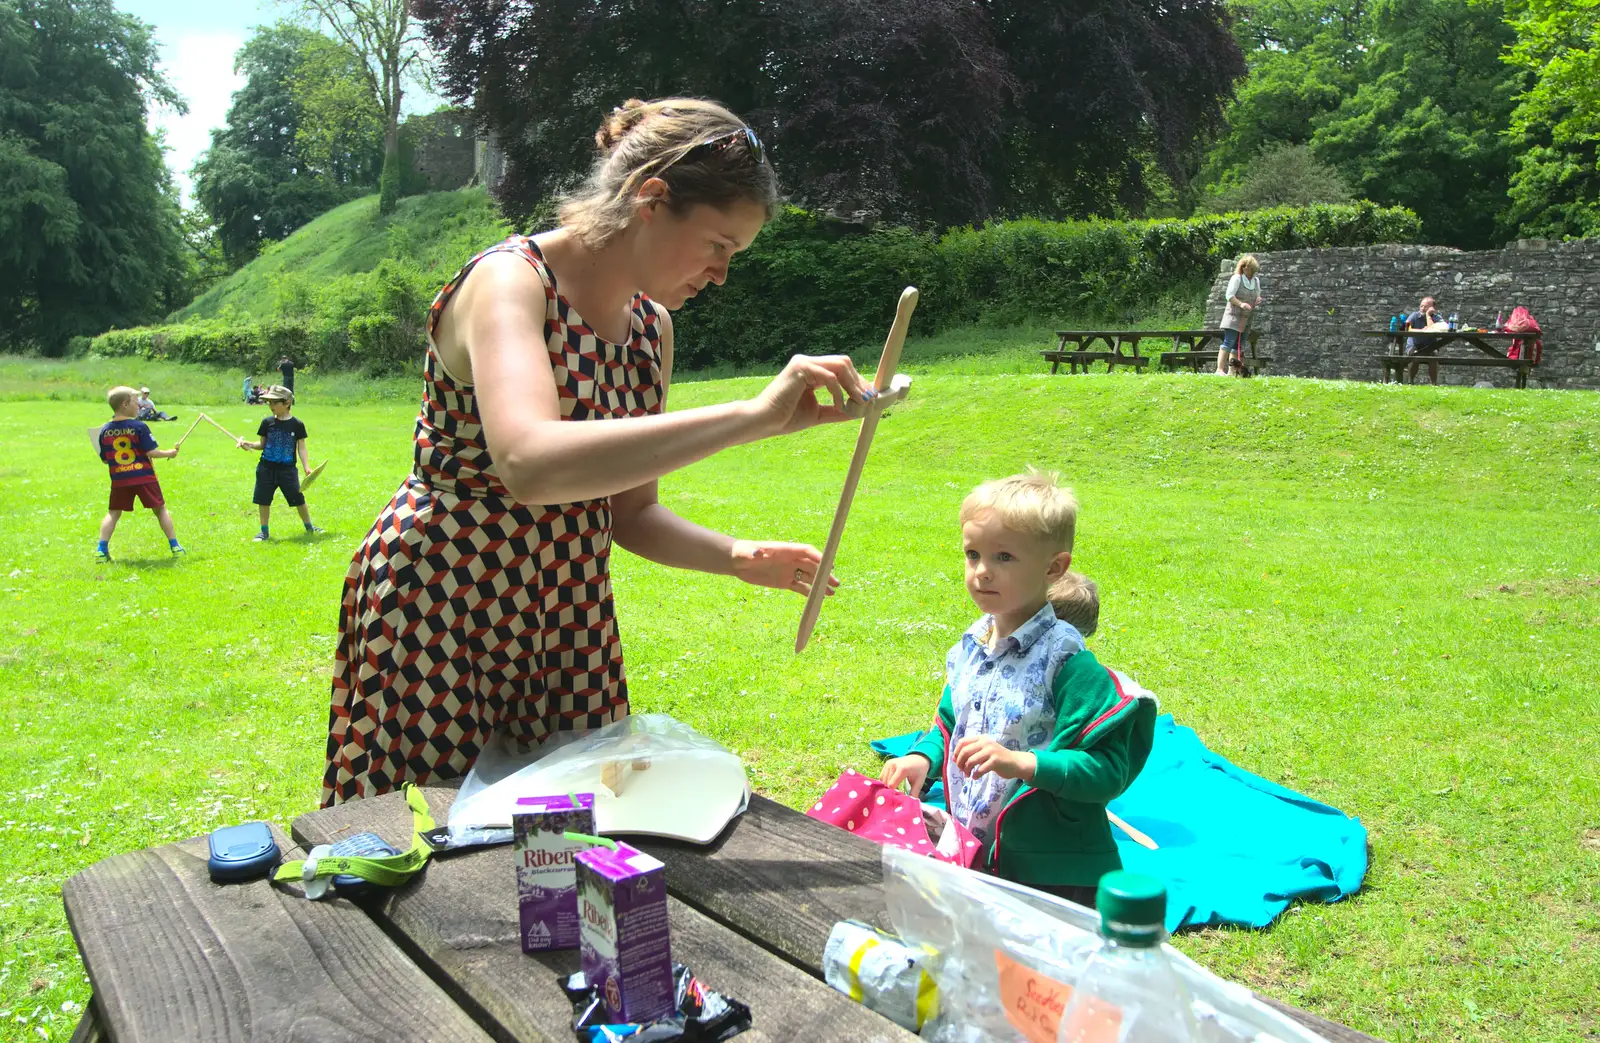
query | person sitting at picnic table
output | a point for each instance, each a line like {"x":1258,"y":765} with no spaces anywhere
{"x":1244,"y":296}
{"x":1426,"y":315}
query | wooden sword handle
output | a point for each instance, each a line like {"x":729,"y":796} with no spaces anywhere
{"x":881,"y":382}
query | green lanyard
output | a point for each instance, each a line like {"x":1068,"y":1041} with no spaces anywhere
{"x":386,"y":870}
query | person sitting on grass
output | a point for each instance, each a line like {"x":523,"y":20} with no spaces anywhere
{"x":1034,"y":737}
{"x":280,"y":438}
{"x":148,"y":410}
{"x":127,"y":447}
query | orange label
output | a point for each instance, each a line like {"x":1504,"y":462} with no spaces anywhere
{"x":1033,"y":1002}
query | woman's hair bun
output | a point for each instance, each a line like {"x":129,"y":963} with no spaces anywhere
{"x":623,"y":118}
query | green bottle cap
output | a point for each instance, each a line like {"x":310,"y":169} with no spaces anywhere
{"x":1133,"y":908}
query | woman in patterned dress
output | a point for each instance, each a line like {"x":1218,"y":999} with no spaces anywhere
{"x":481,"y":598}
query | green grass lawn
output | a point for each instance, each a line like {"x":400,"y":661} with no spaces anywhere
{"x":1387,"y":598}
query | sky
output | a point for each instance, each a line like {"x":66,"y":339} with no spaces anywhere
{"x":198,"y":39}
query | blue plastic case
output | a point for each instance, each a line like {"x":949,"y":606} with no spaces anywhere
{"x":242,"y":852}
{"x":362,"y":845}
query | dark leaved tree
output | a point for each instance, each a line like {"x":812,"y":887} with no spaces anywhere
{"x":934,"y":112}
{"x":1112,"y":89}
{"x":90,"y":229}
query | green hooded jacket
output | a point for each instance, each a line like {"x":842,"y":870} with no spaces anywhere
{"x":1054,"y":831}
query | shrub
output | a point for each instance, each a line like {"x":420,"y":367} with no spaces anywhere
{"x":807,"y":285}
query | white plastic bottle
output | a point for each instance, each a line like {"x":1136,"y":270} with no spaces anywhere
{"x":1129,"y":991}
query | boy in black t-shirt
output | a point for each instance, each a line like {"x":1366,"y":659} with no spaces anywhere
{"x":280,"y":438}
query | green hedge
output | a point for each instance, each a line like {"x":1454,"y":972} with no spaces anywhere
{"x":810,"y":286}
{"x":370,"y":320}
{"x":806,"y":286}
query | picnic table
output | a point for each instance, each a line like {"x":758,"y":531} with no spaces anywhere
{"x":1429,"y":344}
{"x":1121,"y":348}
{"x":172,"y":956}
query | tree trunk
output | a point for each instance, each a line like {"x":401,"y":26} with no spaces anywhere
{"x":389,"y":179}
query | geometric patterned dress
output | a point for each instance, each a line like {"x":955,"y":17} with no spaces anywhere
{"x":464,"y":611}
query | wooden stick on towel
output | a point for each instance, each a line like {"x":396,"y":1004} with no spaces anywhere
{"x":1133,"y":834}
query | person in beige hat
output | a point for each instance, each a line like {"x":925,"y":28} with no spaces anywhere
{"x":280,"y":438}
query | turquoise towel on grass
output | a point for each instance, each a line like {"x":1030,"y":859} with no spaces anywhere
{"x":1233,"y":847}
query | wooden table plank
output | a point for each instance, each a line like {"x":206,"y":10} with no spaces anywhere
{"x":779,"y":876}
{"x":783,"y":880}
{"x":460,"y":923}
{"x":172,"y":956}
{"x":786,"y":879}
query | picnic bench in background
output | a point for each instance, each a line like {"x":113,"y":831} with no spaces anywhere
{"x":172,"y":956}
{"x":1121,"y":348}
{"x":1430,"y":343}
{"x":1193,"y":348}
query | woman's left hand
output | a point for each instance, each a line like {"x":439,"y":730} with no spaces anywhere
{"x":785,"y":566}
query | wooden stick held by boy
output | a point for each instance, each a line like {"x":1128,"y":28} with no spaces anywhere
{"x":219,"y":427}
{"x":189,"y":432}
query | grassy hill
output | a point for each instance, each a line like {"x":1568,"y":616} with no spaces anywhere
{"x":437,"y":231}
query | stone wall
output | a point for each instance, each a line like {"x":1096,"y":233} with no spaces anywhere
{"x":1315,"y":300}
{"x":444,"y":149}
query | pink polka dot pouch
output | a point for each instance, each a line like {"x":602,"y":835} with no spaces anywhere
{"x":868,"y":808}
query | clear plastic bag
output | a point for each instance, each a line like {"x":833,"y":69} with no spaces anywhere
{"x":650,"y":774}
{"x":1008,"y":956}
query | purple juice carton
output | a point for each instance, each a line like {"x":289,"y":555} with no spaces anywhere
{"x":626,"y":950}
{"x":547,"y":881}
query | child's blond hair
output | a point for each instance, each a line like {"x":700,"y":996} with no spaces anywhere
{"x":120,"y":396}
{"x":1076,"y":600}
{"x":1034,"y":502}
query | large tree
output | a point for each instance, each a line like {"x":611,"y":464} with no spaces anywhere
{"x":937,"y":112}
{"x":1407,"y":99}
{"x":275,"y":164}
{"x":90,"y":232}
{"x":382,"y":35}
{"x":1427,"y":128}
{"x":1555,"y":188}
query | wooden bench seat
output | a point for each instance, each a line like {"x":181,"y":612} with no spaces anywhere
{"x":1396,"y":363}
{"x":1112,"y":359}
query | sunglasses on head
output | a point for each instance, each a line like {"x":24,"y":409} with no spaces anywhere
{"x":732,"y":138}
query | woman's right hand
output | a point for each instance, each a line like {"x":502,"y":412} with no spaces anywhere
{"x":793,"y":401}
